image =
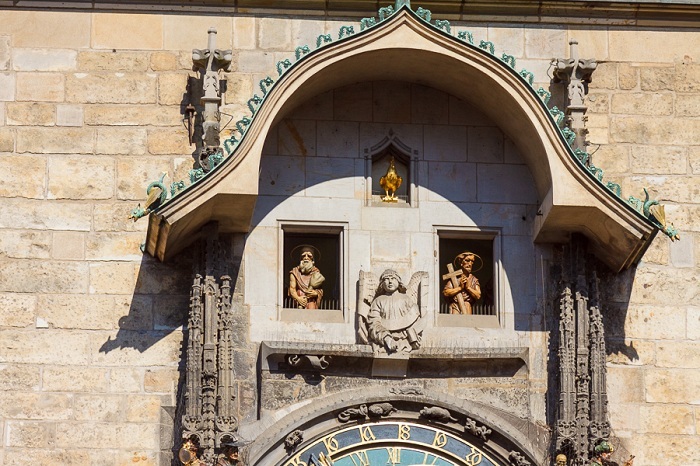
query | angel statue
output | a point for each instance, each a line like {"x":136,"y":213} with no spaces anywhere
{"x":390,"y":316}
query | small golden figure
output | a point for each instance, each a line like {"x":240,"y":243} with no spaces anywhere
{"x":463,"y":287}
{"x":560,"y":460}
{"x":230,"y":455}
{"x":390,"y":182}
{"x":188,"y":454}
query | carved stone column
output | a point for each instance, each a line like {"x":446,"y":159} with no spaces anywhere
{"x":209,"y":418}
{"x":583,"y":405}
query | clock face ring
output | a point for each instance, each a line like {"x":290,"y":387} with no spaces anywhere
{"x":390,"y":443}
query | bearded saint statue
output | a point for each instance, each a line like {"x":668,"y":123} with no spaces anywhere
{"x":305,"y":280}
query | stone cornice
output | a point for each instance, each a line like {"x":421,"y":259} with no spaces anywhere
{"x":652,"y":13}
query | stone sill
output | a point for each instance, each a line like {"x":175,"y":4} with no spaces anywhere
{"x":598,"y":12}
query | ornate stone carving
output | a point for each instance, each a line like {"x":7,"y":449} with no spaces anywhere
{"x":391,"y":315}
{"x":317,"y":363}
{"x":576,"y":72}
{"x":293,"y":440}
{"x":406,"y":391}
{"x":517,"y":459}
{"x":583,"y":403}
{"x":473,"y":428}
{"x":362,"y":412}
{"x":437,"y":414}
{"x":209,"y":418}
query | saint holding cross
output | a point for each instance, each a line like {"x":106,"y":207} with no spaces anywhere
{"x":463,"y":287}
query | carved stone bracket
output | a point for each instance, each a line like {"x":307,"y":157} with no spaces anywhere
{"x":316,"y":363}
{"x":437,"y":414}
{"x":517,"y":459}
{"x":476,"y":430}
{"x":363,"y":412}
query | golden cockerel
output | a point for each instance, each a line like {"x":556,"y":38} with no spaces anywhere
{"x":390,"y":183}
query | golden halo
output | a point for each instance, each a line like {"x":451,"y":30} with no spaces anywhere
{"x":459,"y":265}
{"x":297,"y":250}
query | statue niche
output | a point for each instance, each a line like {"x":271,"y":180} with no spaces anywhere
{"x":391,"y":315}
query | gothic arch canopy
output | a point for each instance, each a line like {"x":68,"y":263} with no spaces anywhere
{"x":405,"y":46}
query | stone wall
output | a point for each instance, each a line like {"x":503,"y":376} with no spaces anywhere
{"x":91,"y":111}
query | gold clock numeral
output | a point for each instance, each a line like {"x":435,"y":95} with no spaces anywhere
{"x":366,"y":434}
{"x":331,"y":444}
{"x":473,"y":458}
{"x":296,"y":461}
{"x":394,"y":456}
{"x":440,"y":440}
{"x":324,"y":460}
{"x":404,"y":432}
{"x":359,"y":458}
{"x":426,"y":459}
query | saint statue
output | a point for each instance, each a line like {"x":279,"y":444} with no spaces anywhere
{"x":229,"y":455}
{"x":602,"y":453}
{"x":462,"y":288}
{"x":305,"y":280}
{"x":391,"y":318}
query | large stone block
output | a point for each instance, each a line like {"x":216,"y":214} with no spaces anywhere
{"x":508,"y":39}
{"x":185,"y":32}
{"x":657,"y":78}
{"x":17,"y":309}
{"x":55,"y":141}
{"x":5,"y":53}
{"x":46,"y":347}
{"x":30,"y":114}
{"x":68,"y":245}
{"x":391,"y":102}
{"x":38,"y":87}
{"x":353,"y":102}
{"x":693,"y":316}
{"x":654,"y":322}
{"x":43,"y":59}
{"x":25,"y":244}
{"x":36,"y":405}
{"x":256,"y":62}
{"x":682,"y":252}
{"x":598,"y":102}
{"x":78,"y":311}
{"x":135,"y":311}
{"x":135,"y":174}
{"x":172,"y":89}
{"x":49,"y":456}
{"x":296,"y":137}
{"x":24,"y":176}
{"x":143,"y":408}
{"x":605,"y":76}
{"x":74,"y":379}
{"x":48,"y":28}
{"x":29,"y":434}
{"x":649,"y":130}
{"x":24,"y":378}
{"x":687,"y":77}
{"x":429,"y":106}
{"x":446,"y":181}
{"x":612,"y":158}
{"x":592,"y":42}
{"x":164,"y":61}
{"x":652,"y":46}
{"x":42,"y":215}
{"x":672,"y":386}
{"x":676,"y":189}
{"x":7,"y":140}
{"x":121,"y":61}
{"x":163,"y":381}
{"x":26,"y":276}
{"x":100,"y":408}
{"x":127,"y":31}
{"x":132,"y":115}
{"x":485,"y":144}
{"x":545,"y":43}
{"x":244,"y":33}
{"x":625,"y":384}
{"x":111,"y":88}
{"x":643,"y":103}
{"x":446,"y":143}
{"x":337,"y":139}
{"x":688,"y":105}
{"x":659,"y":160}
{"x":627,"y":76}
{"x":679,"y":420}
{"x":114,"y":246}
{"x":112,"y":277}
{"x":501,"y":183}
{"x":96,"y":173}
{"x":681,"y":354}
{"x":7,"y":86}
{"x":129,"y":141}
{"x":169,"y":141}
{"x":126,"y":380}
{"x":69,"y":115}
{"x":664,"y":449}
{"x":275,"y":34}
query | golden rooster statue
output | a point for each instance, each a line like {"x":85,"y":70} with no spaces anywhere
{"x":390,"y":182}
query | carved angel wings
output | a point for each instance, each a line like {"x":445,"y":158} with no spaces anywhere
{"x":369,"y":289}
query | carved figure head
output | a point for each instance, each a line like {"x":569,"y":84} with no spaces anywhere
{"x":307,"y":257}
{"x":230,"y":451}
{"x":561,"y":460}
{"x":390,"y":281}
{"x":604,"y":449}
{"x":466,"y":260}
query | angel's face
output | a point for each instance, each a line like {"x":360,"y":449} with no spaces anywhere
{"x":390,"y":283}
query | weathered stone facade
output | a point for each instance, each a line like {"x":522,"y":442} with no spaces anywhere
{"x":92,"y":331}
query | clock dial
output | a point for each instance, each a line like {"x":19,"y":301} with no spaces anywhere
{"x":390,"y":444}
